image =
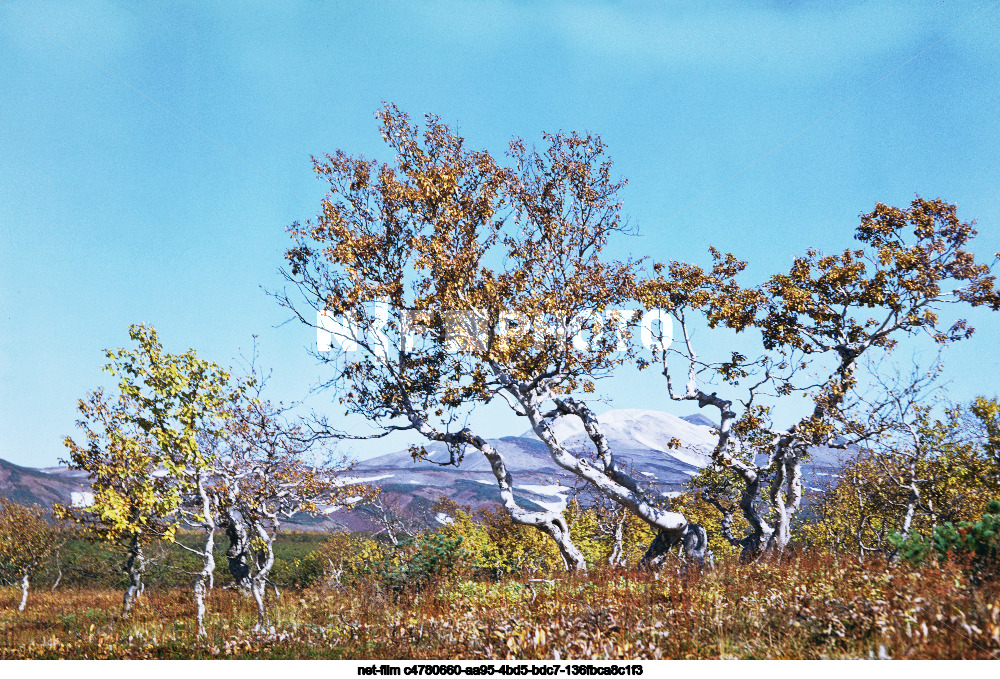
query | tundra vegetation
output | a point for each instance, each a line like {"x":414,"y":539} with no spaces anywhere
{"x":451,"y":280}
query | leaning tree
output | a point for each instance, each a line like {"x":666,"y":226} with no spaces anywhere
{"x":452,"y":281}
{"x":814,"y":325}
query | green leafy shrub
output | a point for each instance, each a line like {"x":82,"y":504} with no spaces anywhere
{"x":978,"y":542}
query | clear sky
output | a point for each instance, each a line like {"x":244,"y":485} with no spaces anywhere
{"x":152,"y":154}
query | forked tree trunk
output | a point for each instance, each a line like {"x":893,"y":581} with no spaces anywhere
{"x":761,"y":538}
{"x":786,"y":494}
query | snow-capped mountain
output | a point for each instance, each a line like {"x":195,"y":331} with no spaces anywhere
{"x":635,"y":434}
{"x":641,"y":439}
{"x":658,"y":447}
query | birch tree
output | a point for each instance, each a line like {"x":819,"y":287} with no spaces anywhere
{"x":922,"y":470}
{"x":391,"y":249}
{"x":501,"y":270}
{"x":132,"y":502}
{"x":262,"y":476}
{"x":28,"y":536}
{"x":173,"y":399}
{"x":814,"y":324}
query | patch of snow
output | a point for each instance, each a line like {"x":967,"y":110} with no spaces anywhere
{"x":552,"y":489}
{"x":351,"y":480}
{"x":651,"y":429}
{"x":564,"y":428}
{"x":556,"y":490}
{"x":443,"y":518}
{"x":84,"y":499}
{"x":553,"y":506}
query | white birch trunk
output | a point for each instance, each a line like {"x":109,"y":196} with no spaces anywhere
{"x":609,"y":481}
{"x":25,"y":583}
{"x":259,"y":582}
{"x":551,"y":523}
{"x":204,"y":580}
{"x":135,"y":567}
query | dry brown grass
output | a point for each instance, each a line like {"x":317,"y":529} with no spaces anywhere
{"x":812,"y":607}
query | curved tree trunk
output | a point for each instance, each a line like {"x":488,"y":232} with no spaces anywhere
{"x":551,"y":523}
{"x":672,"y":527}
{"x":265,"y":561}
{"x":238,"y":554}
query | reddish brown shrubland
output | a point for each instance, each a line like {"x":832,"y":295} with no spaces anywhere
{"x":807,"y":607}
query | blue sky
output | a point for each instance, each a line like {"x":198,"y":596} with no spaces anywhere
{"x":152,"y":155}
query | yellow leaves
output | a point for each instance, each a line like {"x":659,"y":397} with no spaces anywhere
{"x":164,"y":400}
{"x":26,"y":536}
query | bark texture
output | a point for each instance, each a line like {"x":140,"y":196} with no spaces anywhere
{"x":135,"y":567}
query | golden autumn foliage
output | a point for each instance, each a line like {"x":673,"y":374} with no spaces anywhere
{"x":948,"y":472}
{"x":815,"y":324}
{"x":28,"y":537}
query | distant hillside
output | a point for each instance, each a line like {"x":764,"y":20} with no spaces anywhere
{"x":641,"y":439}
{"x":37,"y":486}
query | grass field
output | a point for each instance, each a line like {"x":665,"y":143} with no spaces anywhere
{"x":808,"y":607}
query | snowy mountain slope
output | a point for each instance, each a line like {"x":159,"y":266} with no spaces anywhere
{"x":630,"y":431}
{"x":641,"y":439}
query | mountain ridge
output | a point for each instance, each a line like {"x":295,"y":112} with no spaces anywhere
{"x":658,"y":446}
